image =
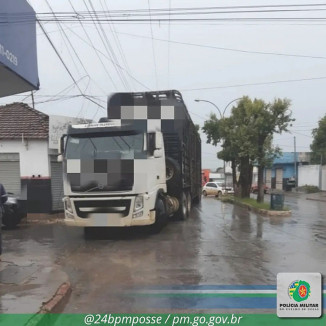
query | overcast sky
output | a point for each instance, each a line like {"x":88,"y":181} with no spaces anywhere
{"x":215,"y":60}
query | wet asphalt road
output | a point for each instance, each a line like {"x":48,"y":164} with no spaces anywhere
{"x":183,"y":268}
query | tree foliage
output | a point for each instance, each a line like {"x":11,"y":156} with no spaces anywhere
{"x":318,"y":146}
{"x":246,"y":137}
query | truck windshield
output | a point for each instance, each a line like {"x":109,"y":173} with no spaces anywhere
{"x":104,"y":147}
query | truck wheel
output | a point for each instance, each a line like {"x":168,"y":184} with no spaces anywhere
{"x":182,"y":213}
{"x":189,"y":202}
{"x":172,"y":171}
{"x":197,"y":199}
{"x":161,"y":218}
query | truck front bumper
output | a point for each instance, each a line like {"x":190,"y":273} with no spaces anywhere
{"x":110,"y":212}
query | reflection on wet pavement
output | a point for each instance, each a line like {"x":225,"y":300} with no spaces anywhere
{"x":220,"y":244}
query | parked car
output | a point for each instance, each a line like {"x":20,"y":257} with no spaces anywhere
{"x":14,"y":211}
{"x":254,"y":189}
{"x":290,"y":183}
{"x":216,"y":189}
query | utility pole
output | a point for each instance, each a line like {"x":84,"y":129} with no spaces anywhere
{"x":295,"y":165}
{"x":33,"y":99}
{"x":321,"y":172}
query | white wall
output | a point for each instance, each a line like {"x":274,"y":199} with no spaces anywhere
{"x":58,"y":126}
{"x":308,"y":175}
{"x":34,"y":158}
{"x":323,"y":187}
{"x":216,"y":176}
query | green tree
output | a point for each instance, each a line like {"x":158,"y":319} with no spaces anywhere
{"x":318,"y":146}
{"x":232,"y":134}
{"x":263,"y":120}
{"x":246,"y":138}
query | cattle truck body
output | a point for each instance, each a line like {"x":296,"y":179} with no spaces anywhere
{"x":137,"y":168}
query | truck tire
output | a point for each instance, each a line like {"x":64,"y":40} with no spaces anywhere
{"x":161,"y":216}
{"x":182,"y":212}
{"x":189,"y":202}
{"x":173,"y":171}
{"x":197,"y":199}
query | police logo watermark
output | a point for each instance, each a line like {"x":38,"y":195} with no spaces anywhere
{"x":299,"y":295}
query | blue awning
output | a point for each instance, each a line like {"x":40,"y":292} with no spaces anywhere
{"x":18,"y":53}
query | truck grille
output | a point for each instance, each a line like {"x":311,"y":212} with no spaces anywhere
{"x":85,"y":208}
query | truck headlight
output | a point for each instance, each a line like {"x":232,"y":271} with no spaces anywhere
{"x":68,"y":206}
{"x":139,"y":203}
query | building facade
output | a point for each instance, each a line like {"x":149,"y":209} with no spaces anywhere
{"x":283,"y":174}
{"x":28,"y":156}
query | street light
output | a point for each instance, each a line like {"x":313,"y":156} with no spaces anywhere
{"x":219,"y":111}
{"x":222,"y":117}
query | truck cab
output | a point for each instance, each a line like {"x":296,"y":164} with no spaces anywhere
{"x":112,"y":175}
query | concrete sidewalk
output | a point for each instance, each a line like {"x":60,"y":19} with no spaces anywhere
{"x":29,"y":277}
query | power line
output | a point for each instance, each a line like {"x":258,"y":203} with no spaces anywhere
{"x":169,"y":38}
{"x":153,"y":49}
{"x":199,"y":116}
{"x":111,"y":51}
{"x":253,"y":84}
{"x":92,"y":45}
{"x":227,"y":49}
{"x":195,"y":20}
{"x":64,"y":36}
{"x":298,"y":133}
{"x":103,"y":54}
{"x":96,"y":22}
{"x":65,"y":66}
{"x":190,"y":9}
{"x":117,"y":41}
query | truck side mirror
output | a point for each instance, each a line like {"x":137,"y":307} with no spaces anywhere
{"x":158,"y":153}
{"x":158,"y":140}
{"x":61,"y":144}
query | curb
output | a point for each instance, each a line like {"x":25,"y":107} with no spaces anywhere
{"x":50,"y":306}
{"x":43,"y":219}
{"x":265,"y":211}
{"x":260,"y":210}
{"x":316,"y":199}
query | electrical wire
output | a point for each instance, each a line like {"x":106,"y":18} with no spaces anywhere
{"x":66,"y":68}
{"x":299,"y":133}
{"x":103,"y":54}
{"x":227,"y":49}
{"x":190,"y":9}
{"x":153,"y":49}
{"x":95,"y":22}
{"x":253,"y":84}
{"x":169,"y":38}
{"x":92,"y":45}
{"x":110,"y":50}
{"x":118,"y":43}
{"x":65,"y":38}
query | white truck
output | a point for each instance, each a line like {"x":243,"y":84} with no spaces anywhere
{"x":138,"y":166}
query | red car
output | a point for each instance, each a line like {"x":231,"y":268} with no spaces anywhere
{"x":254,"y":189}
